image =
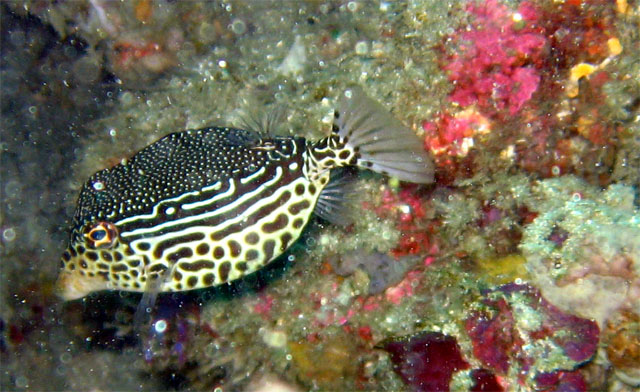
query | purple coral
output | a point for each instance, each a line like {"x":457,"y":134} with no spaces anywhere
{"x":426,"y":361}
{"x":484,"y":381}
{"x":513,"y":314}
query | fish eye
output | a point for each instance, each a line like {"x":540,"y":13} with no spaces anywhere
{"x":102,"y":235}
{"x":98,"y":233}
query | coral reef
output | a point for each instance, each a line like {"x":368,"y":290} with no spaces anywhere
{"x":622,"y":342}
{"x":517,"y":333}
{"x":518,"y":338}
{"x":585,"y":241}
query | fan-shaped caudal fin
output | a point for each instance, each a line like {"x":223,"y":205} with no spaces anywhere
{"x":383,"y":144}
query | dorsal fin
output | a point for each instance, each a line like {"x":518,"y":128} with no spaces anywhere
{"x":264,"y":123}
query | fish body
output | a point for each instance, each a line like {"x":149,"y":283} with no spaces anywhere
{"x":200,"y":208}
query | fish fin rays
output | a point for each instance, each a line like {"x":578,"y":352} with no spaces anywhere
{"x":335,"y":200}
{"x":384,"y":145}
{"x":257,"y":125}
{"x":263,"y":123}
{"x":152,"y":288}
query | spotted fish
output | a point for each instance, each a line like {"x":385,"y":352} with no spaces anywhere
{"x":200,"y":208}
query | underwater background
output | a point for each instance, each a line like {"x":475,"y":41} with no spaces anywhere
{"x":518,"y":269}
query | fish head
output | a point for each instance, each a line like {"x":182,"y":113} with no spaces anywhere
{"x":95,"y":247}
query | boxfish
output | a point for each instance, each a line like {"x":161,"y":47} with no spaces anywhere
{"x":204,"y":207}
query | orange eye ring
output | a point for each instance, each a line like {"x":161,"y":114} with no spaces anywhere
{"x":102,"y":235}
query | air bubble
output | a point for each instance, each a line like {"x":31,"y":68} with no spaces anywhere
{"x":160,"y":326}
{"x":9,"y":234}
{"x":238,"y":27}
{"x":65,"y":357}
{"x":22,"y":382}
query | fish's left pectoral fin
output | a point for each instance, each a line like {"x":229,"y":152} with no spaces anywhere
{"x":335,"y":202}
{"x":152,"y":288}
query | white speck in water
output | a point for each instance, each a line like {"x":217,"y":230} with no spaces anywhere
{"x":362,"y":48}
{"x":352,"y":6}
{"x":222,"y":64}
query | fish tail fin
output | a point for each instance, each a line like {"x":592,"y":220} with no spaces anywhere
{"x":381,"y":142}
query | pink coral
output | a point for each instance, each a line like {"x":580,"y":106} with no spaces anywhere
{"x":495,"y":63}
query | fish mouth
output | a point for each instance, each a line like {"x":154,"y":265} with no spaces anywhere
{"x":71,"y":285}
